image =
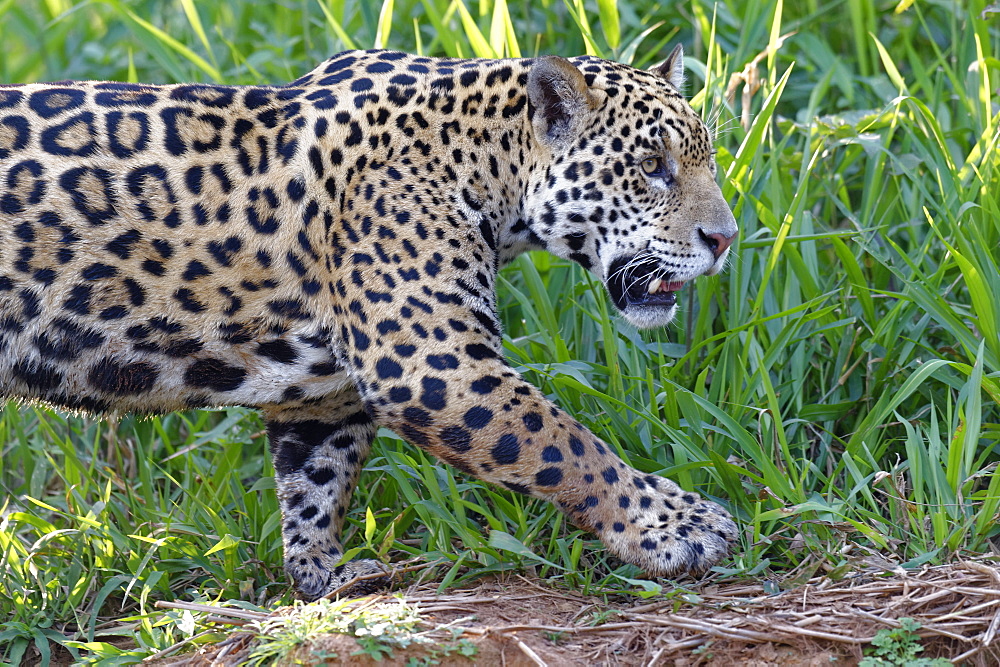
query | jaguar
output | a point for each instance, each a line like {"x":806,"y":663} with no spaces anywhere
{"x":326,"y":252}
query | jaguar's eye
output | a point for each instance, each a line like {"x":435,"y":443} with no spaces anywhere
{"x":653,"y":166}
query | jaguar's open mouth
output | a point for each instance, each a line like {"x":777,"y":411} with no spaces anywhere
{"x":642,"y":291}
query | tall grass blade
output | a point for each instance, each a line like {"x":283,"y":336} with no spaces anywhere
{"x":384,"y":25}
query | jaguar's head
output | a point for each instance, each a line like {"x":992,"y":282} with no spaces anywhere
{"x":630,"y":186}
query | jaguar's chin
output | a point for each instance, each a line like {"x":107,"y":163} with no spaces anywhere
{"x":644,"y":293}
{"x":649,"y":317}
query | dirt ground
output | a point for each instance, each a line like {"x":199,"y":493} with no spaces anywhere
{"x":519,"y":621}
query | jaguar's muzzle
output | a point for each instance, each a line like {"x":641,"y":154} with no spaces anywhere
{"x":640,"y":283}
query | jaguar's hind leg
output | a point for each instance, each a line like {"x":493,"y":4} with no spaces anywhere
{"x":318,"y":452}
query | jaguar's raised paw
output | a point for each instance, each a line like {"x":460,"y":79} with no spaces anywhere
{"x":666,"y":530}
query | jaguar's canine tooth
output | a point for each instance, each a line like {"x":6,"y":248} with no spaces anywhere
{"x":654,"y":285}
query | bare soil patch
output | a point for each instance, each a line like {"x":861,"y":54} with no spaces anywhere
{"x":520,"y":621}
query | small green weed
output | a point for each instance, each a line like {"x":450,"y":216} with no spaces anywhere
{"x":703,"y":651}
{"x":379,"y":628}
{"x":462,"y":647}
{"x":555,"y":636}
{"x":601,"y":617}
{"x":898,"y":647}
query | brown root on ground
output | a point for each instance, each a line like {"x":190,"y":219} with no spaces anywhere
{"x":518,"y":621}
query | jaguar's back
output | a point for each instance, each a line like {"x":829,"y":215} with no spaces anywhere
{"x":152,"y":254}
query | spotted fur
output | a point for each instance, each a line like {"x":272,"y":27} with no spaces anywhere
{"x":327,"y":252}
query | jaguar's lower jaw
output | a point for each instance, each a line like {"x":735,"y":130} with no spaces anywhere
{"x":649,"y":302}
{"x":643,"y":291}
{"x":650,"y":316}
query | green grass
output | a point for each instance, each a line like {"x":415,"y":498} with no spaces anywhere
{"x":838,"y":387}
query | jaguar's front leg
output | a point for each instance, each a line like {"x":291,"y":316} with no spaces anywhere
{"x":451,"y":393}
{"x":318,"y":452}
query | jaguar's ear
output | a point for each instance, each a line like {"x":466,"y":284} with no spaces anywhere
{"x":559,"y":95}
{"x":672,"y":69}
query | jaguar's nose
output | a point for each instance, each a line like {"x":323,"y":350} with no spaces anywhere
{"x":717,"y":243}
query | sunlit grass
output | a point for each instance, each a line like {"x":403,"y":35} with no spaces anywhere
{"x":838,"y":387}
